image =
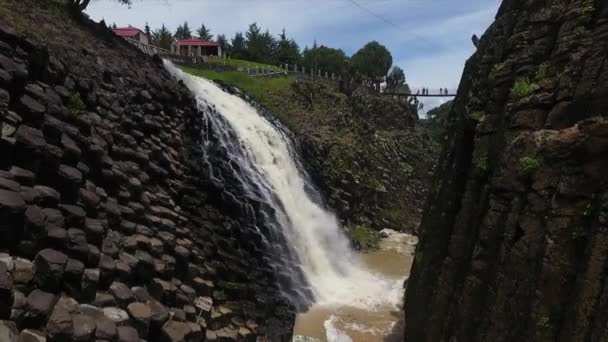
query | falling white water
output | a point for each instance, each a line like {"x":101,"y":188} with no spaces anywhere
{"x":334,"y":272}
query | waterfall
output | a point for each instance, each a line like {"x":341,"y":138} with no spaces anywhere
{"x":268,"y":168}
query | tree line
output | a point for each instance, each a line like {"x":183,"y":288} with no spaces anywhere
{"x":372,"y":62}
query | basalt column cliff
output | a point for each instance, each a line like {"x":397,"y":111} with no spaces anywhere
{"x":514,"y":241}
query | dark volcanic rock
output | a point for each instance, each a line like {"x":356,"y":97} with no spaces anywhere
{"x":514,"y":242}
{"x":49,"y":266}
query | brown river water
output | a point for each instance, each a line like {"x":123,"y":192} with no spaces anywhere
{"x":392,"y":260}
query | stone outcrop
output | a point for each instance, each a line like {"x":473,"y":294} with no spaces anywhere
{"x":110,"y":226}
{"x":514,"y":240}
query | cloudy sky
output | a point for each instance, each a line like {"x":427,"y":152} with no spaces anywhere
{"x":430,"y":40}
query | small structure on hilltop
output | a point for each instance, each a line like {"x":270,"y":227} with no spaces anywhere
{"x":133,"y":33}
{"x":196,"y":47}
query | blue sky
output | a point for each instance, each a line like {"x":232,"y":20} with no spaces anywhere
{"x":430,"y":40}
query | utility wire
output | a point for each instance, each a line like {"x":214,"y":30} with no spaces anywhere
{"x":374,"y":14}
{"x":378,"y":16}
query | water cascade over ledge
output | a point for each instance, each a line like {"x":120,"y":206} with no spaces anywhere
{"x":306,"y":242}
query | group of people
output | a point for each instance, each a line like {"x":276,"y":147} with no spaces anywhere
{"x":425,"y":91}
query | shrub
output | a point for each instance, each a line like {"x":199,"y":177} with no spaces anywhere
{"x":366,"y":237}
{"x":542,"y":72}
{"x":481,"y":165}
{"x":494,"y":72}
{"x":522,"y":87}
{"x":219,"y":295}
{"x":529,"y":164}
{"x":75,"y":104}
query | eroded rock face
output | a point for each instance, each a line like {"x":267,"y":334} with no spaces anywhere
{"x":109,"y":228}
{"x":514,"y":240}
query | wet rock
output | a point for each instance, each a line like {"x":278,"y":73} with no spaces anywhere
{"x":105,"y":329}
{"x":49,"y":266}
{"x":74,"y":270}
{"x":60,"y":325}
{"x":160,"y":315}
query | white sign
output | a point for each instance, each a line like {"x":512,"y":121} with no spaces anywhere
{"x":203,"y":303}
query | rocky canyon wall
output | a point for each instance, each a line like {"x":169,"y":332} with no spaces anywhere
{"x":514,"y":242}
{"x":110,"y":226}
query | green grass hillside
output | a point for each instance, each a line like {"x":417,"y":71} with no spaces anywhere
{"x":270,"y":92}
{"x":240,"y":63}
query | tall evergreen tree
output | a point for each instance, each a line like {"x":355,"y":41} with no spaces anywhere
{"x":239,"y":46}
{"x":183,"y":31}
{"x":162,"y":38}
{"x":287,"y":50}
{"x":254,"y":42}
{"x":204,"y":33}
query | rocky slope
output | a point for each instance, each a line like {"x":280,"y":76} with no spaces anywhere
{"x":110,"y":226}
{"x":514,"y":243}
{"x":368,"y":155}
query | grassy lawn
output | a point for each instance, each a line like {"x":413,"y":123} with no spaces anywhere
{"x":272,"y":93}
{"x":243,"y":64}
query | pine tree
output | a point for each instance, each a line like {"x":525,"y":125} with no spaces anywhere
{"x":287,"y":50}
{"x":204,"y":33}
{"x":162,"y":38}
{"x":239,"y":46}
{"x":114,"y":25}
{"x":183,"y":31}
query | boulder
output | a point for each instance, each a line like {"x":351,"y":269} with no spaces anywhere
{"x":60,"y":325}
{"x":127,"y":334}
{"x":49,"y":266}
{"x":39,"y":306}
{"x":45,"y":196}
{"x":8,"y":331}
{"x":74,"y":215}
{"x":174,"y":331}
{"x":23,"y":272}
{"x":122,"y":293}
{"x":141,"y":315}
{"x":73,"y":277}
{"x":70,"y":180}
{"x":29,"y":148}
{"x":32,"y":336}
{"x":32,"y":111}
{"x":117,"y":315}
{"x":84,"y":327}
{"x":90,"y":281}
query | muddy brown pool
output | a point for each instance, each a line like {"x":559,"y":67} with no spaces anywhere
{"x":342,"y":323}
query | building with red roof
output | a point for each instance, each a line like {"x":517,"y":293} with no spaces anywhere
{"x":196,"y":47}
{"x":132,"y":33}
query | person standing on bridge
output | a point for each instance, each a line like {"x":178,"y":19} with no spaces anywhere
{"x":441,"y":91}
